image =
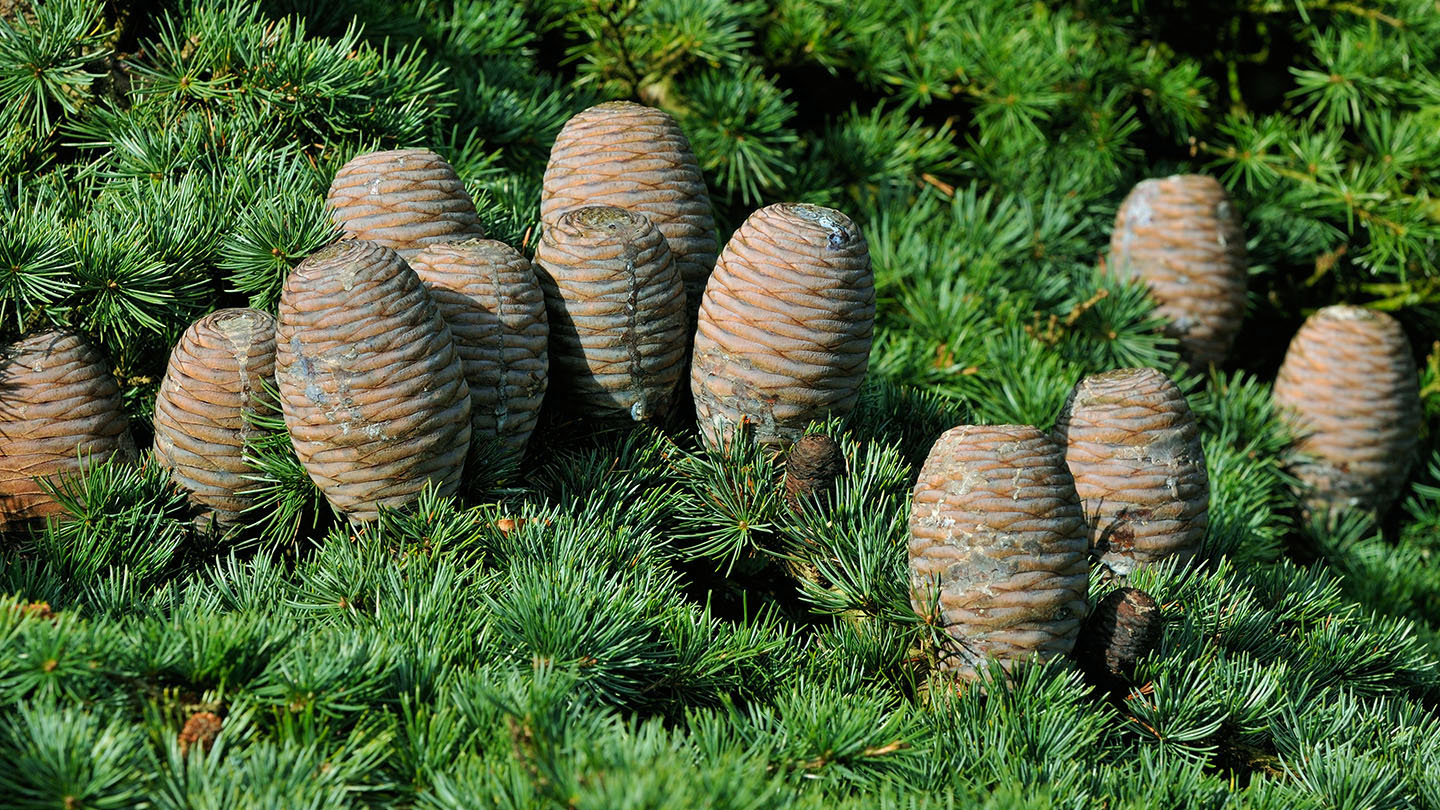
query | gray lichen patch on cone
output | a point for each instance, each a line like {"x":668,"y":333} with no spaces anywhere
{"x":60,"y":411}
{"x":372,"y":387}
{"x":997,"y":539}
{"x":785,"y":326}
{"x":1133,"y":447}
{"x":1350,"y":390}
{"x":616,"y":305}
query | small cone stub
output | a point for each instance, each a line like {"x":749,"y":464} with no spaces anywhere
{"x":1133,"y":446}
{"x":1182,"y":236}
{"x":213,"y":387}
{"x":1348,"y":385}
{"x":489,"y":295}
{"x":403,"y":199}
{"x":635,"y":157}
{"x":372,"y":388}
{"x":617,"y":313}
{"x":1124,"y":627}
{"x":60,"y":410}
{"x":998,"y":537}
{"x":811,"y":468}
{"x":785,"y":327}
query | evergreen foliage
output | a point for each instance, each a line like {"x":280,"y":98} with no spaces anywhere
{"x":625,"y":620}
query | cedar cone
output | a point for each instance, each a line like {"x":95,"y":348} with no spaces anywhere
{"x":491,"y":298}
{"x":784,"y":332}
{"x":215,"y":380}
{"x":403,"y":199}
{"x":1133,"y":446}
{"x":1125,"y":626}
{"x":1349,"y":388}
{"x":617,"y":313}
{"x":202,"y":728}
{"x":1182,"y":236}
{"x":60,"y":411}
{"x":372,"y":388}
{"x":623,"y":154}
{"x":997,"y":531}
{"x":812,"y":467}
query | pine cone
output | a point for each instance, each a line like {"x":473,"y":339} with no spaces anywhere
{"x":60,"y":411}
{"x":1125,"y":627}
{"x":216,"y":377}
{"x":997,"y":527}
{"x":623,"y":154}
{"x":617,"y":313}
{"x":784,"y":334}
{"x":812,"y":467}
{"x":370,"y":382}
{"x":1349,"y":388}
{"x":403,"y":199}
{"x":202,"y":728}
{"x":1134,"y":449}
{"x":1183,"y":237}
{"x":491,"y":298}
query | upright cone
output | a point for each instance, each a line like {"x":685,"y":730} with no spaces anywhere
{"x":1133,"y":446}
{"x":403,"y":199}
{"x":1182,"y":236}
{"x":60,"y":410}
{"x":213,"y":387}
{"x":785,"y":327}
{"x":998,"y":537}
{"x":371,"y":385}
{"x":617,"y":313}
{"x":491,"y":298}
{"x":1349,"y":388}
{"x":634,"y":157}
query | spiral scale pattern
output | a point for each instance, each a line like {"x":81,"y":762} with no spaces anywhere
{"x":372,"y":388}
{"x":215,"y":380}
{"x":630,"y":156}
{"x":785,"y":326}
{"x":998,"y":535}
{"x":617,"y":313}
{"x":489,"y":295}
{"x":60,"y":410}
{"x":1349,"y":387}
{"x":1134,"y":449}
{"x":403,"y":199}
{"x":1182,"y":236}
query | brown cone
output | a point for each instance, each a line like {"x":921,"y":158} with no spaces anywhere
{"x":403,"y":199}
{"x":216,"y":378}
{"x":491,"y":298}
{"x":634,"y":157}
{"x":1349,"y":387}
{"x":1182,"y":236}
{"x":1125,"y":626}
{"x":60,"y":411}
{"x":996,"y":530}
{"x":370,"y":382}
{"x":617,"y":313}
{"x":1133,"y":446}
{"x":202,"y":728}
{"x":785,"y":327}
{"x":811,"y":468}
